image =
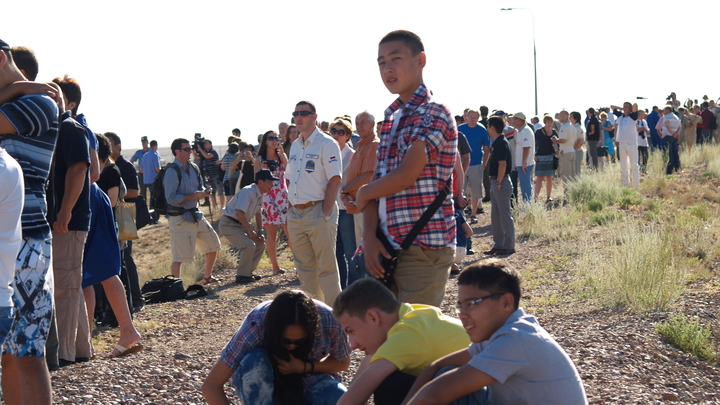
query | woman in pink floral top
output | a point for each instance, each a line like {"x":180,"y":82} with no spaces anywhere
{"x":275,"y":204}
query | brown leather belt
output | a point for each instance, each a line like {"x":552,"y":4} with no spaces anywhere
{"x":307,"y":204}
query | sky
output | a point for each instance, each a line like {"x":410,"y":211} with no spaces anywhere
{"x":170,"y":69}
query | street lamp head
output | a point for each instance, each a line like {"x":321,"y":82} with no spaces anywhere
{"x":505,"y":9}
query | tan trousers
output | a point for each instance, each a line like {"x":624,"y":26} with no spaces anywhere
{"x":421,"y":275}
{"x":71,"y":314}
{"x":313,"y":238}
{"x":249,"y":253}
{"x":567,"y":166}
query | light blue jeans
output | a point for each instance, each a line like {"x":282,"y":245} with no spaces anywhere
{"x":525,"y":180}
{"x":253,"y":382}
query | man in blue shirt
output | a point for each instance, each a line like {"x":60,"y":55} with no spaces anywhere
{"x":652,"y":120}
{"x":136,"y":159}
{"x":150,"y":166}
{"x":479,"y":141}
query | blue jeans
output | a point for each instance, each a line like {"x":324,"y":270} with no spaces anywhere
{"x":479,"y":397}
{"x":253,"y":382}
{"x":7,"y":316}
{"x":670,"y":145}
{"x":525,"y":180}
{"x":345,"y":246}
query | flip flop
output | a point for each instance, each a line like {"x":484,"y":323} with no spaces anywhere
{"x":124,"y":351}
{"x":281,"y":271}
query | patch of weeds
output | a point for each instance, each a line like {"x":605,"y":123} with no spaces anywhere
{"x":605,"y":217}
{"x":653,"y":204}
{"x":689,"y":336}
{"x":595,"y":205}
{"x":629,"y":197}
{"x":700,"y":211}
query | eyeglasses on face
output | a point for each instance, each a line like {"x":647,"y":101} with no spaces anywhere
{"x":186,"y":149}
{"x":273,"y":138}
{"x":302,"y":113}
{"x":340,"y":132}
{"x":468,"y":305}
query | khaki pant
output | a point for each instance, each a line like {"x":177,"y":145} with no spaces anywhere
{"x":185,"y":236}
{"x":358,"y":228}
{"x":567,"y":166}
{"x":421,"y":275}
{"x":249,"y":253}
{"x":313,"y":238}
{"x":71,"y":314}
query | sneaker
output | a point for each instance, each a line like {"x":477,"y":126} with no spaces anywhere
{"x":454,"y":270}
{"x":491,"y":251}
{"x":505,"y":252}
{"x":473,"y":219}
{"x":486,"y":199}
{"x":246,"y":279}
{"x":468,"y":210}
{"x":480,"y":210}
{"x":469,"y":252}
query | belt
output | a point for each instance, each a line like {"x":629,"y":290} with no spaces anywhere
{"x":232,"y":219}
{"x":495,"y":177}
{"x":307,"y":204}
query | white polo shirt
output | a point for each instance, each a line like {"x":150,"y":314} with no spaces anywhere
{"x":674,"y":123}
{"x":627,"y":129}
{"x":311,"y":165}
{"x":567,"y":131}
{"x":523,"y":139}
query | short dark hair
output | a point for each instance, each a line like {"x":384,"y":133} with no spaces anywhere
{"x":71,"y":90}
{"x":177,"y":144}
{"x":576,"y":116}
{"x":493,"y":275}
{"x":236,"y":131}
{"x":113,"y":137}
{"x":497,"y":123}
{"x":153,"y":143}
{"x":410,"y":39}
{"x":26,"y":61}
{"x":483,"y":110}
{"x":307,"y":103}
{"x":362,"y":295}
{"x":103,"y":150}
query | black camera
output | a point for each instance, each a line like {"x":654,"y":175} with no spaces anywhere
{"x":642,"y":134}
{"x":198,"y":142}
{"x":669,"y":97}
{"x":272,"y":164}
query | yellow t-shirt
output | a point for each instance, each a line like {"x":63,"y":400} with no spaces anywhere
{"x":421,"y":335}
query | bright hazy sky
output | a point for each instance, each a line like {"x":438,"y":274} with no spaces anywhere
{"x":169,"y":69}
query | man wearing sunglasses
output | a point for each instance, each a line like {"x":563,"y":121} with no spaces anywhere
{"x":314,"y":170}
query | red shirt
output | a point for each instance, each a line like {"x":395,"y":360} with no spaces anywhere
{"x":707,"y":117}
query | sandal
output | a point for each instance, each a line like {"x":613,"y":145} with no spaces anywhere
{"x":209,"y":280}
{"x":281,"y":271}
{"x":124,"y":351}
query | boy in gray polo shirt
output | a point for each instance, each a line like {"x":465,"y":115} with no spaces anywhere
{"x":235,"y":224}
{"x":512,"y":359}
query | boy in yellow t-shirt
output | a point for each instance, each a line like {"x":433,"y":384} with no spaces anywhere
{"x":400,"y":340}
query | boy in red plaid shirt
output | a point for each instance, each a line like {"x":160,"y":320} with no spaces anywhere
{"x":416,"y":156}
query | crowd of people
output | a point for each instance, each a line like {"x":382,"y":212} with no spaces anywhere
{"x":354,"y":207}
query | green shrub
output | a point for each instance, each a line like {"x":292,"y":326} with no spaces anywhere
{"x":629,"y":197}
{"x":700,"y":212}
{"x":687,"y":335}
{"x":605,"y":217}
{"x":595,"y":205}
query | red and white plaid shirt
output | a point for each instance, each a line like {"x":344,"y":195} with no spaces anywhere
{"x":420,"y":119}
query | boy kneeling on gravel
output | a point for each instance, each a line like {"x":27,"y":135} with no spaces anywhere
{"x":399,"y":339}
{"x":512,"y":359}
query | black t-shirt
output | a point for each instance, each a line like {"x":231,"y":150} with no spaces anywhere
{"x":543,"y":144}
{"x":109,"y":178}
{"x":128,"y":173}
{"x":463,"y":145}
{"x":499,"y":151}
{"x":594,"y":135}
{"x":72,"y":147}
{"x":248,"y":173}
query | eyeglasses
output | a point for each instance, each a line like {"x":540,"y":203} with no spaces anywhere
{"x":340,"y":132}
{"x":298,"y":342}
{"x":186,"y":149}
{"x":468,"y":305}
{"x":302,"y":113}
{"x":273,"y":138}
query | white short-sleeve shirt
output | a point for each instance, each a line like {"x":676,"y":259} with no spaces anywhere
{"x":311,"y":165}
{"x":567,"y":131}
{"x":523,"y":139}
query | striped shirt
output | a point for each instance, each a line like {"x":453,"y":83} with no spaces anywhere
{"x":331,"y":340}
{"x":35,"y":118}
{"x":420,"y":119}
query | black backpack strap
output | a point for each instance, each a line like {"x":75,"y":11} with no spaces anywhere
{"x":425,"y":218}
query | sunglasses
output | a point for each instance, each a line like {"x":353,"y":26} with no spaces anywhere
{"x":273,"y":138}
{"x":340,"y":132}
{"x":186,"y":149}
{"x":298,"y":342}
{"x":302,"y":113}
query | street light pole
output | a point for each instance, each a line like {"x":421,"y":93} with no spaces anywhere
{"x":534,"y":50}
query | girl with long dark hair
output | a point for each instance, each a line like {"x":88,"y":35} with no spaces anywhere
{"x":288,"y":351}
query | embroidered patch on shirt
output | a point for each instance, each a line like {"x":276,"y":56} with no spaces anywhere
{"x":310,"y":166}
{"x":427,"y":120}
{"x":333,"y":158}
{"x":292,"y":157}
{"x":311,"y":156}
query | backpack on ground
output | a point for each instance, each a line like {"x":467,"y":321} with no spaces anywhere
{"x":164,"y":289}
